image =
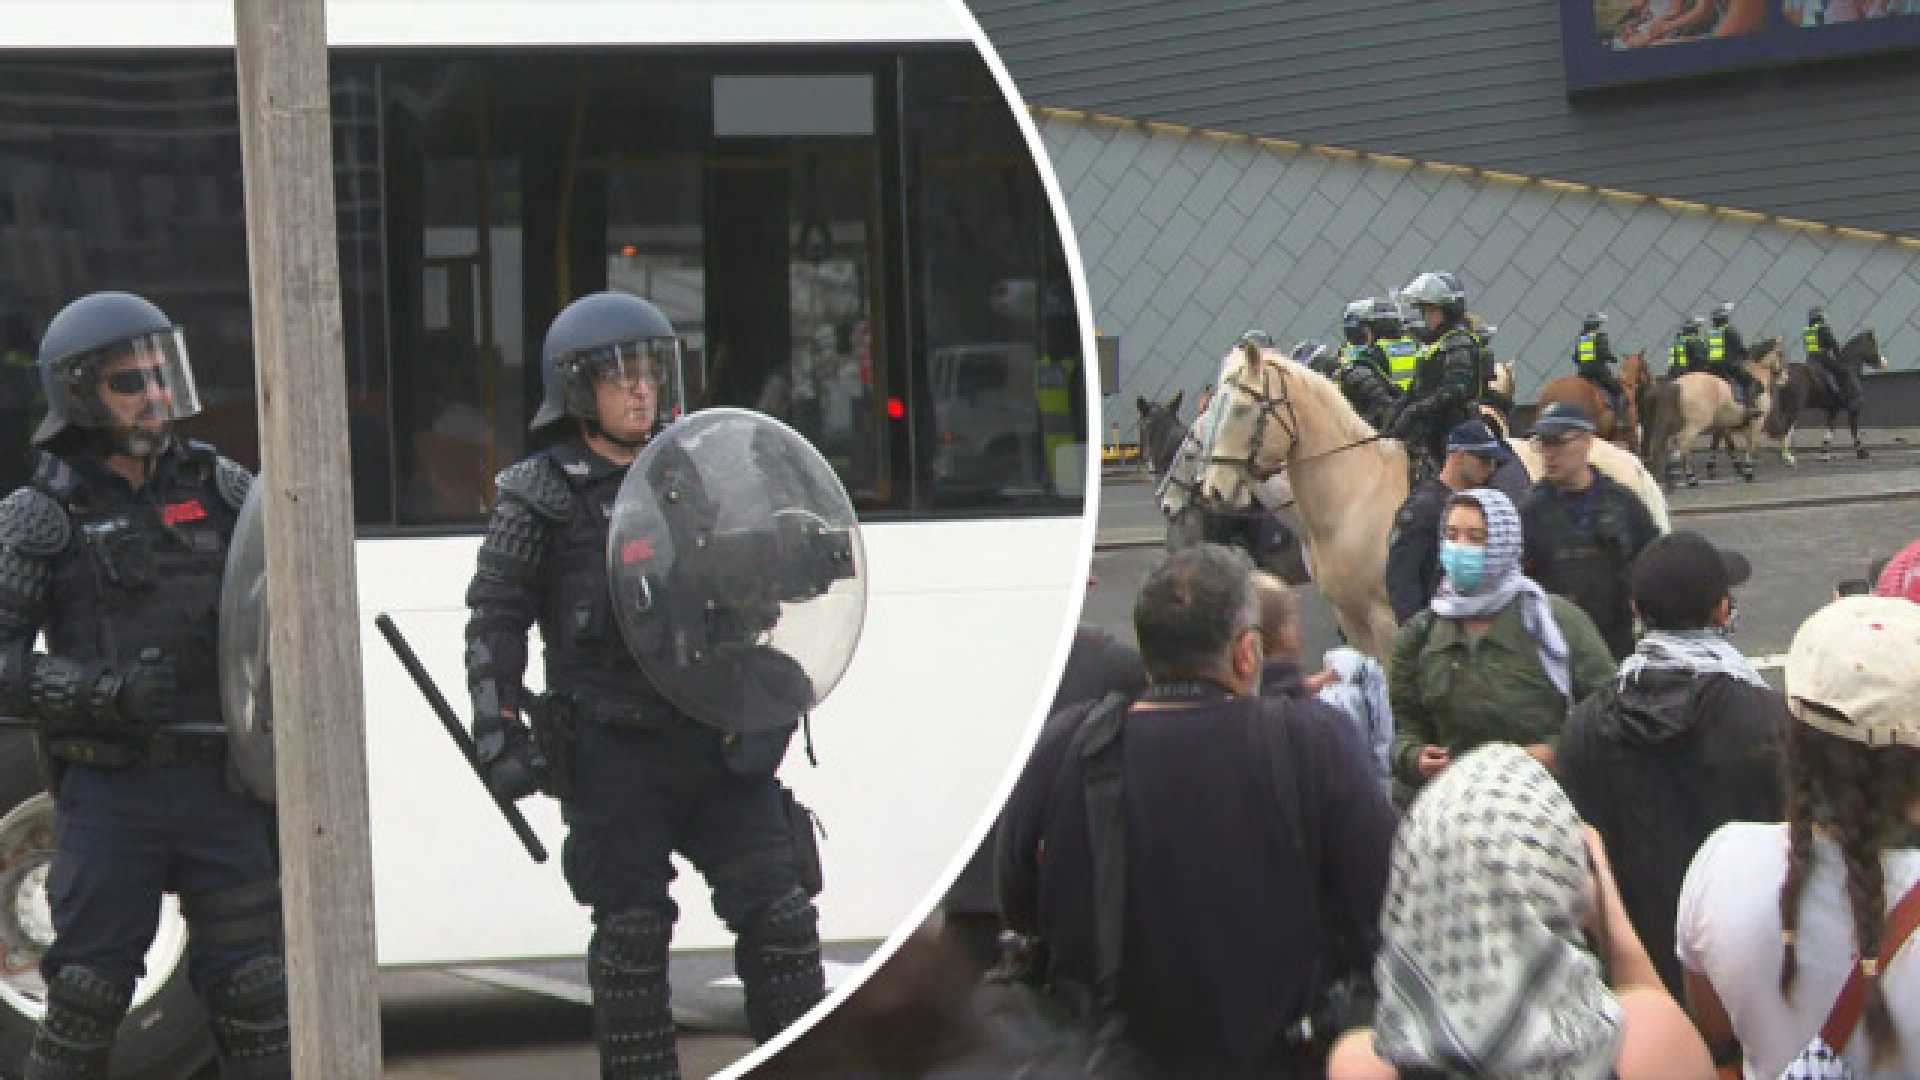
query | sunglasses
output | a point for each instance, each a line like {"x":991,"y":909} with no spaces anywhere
{"x":136,"y":380}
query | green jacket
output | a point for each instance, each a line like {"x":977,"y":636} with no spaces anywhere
{"x":1448,"y":689}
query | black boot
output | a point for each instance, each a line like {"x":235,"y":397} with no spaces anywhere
{"x":75,"y":1041}
{"x":632,"y":1010}
{"x":778,"y":959}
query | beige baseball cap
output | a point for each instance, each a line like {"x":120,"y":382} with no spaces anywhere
{"x":1859,"y":658}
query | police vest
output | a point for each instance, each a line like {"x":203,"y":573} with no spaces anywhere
{"x":1811,"y":337}
{"x":1677,"y":356}
{"x":1716,"y":345}
{"x":1351,"y":354}
{"x":1403,"y":359}
{"x":1586,"y":351}
{"x":1053,"y":394}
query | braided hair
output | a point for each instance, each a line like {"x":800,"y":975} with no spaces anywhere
{"x":1861,"y":796}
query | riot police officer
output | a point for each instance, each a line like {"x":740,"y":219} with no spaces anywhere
{"x":1593,"y":359}
{"x":646,"y":779}
{"x":116,"y":550}
{"x":1390,"y":333}
{"x":1689,"y":352}
{"x":1727,"y":357}
{"x":1452,"y":374}
{"x":1362,"y":372}
{"x":1823,"y":351}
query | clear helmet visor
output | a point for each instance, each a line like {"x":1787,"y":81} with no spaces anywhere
{"x":649,"y":368}
{"x":136,"y":382}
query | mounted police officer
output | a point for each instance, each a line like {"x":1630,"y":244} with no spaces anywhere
{"x":116,"y":550}
{"x":1452,"y":374}
{"x":1727,"y":357}
{"x":1823,"y":352}
{"x":1389,"y":328}
{"x":1363,"y":371}
{"x":646,"y":777}
{"x":1593,"y":358}
{"x":1688,"y":353}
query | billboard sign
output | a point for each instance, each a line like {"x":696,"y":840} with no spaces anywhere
{"x":1611,"y":42}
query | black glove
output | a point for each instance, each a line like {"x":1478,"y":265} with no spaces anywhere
{"x":87,"y":695}
{"x":512,"y":764}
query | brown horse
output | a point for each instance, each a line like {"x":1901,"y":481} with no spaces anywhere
{"x":1622,"y":431}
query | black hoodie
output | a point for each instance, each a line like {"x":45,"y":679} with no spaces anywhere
{"x":1657,"y":767}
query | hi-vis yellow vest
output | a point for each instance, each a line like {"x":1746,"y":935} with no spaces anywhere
{"x":1811,"y":338}
{"x":1716,"y":345}
{"x":1585,"y":350}
{"x":1403,"y":359}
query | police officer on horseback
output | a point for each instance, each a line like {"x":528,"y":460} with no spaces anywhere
{"x":1689,"y":351}
{"x":1389,"y":327}
{"x":1823,"y":352}
{"x":116,"y":550}
{"x":1452,"y":374}
{"x":1363,"y":372}
{"x":1727,"y":357}
{"x":639,"y":778}
{"x":1593,"y":359}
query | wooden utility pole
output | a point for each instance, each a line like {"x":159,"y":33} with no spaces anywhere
{"x":326,"y":873}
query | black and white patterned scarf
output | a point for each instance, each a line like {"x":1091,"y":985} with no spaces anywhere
{"x":1480,"y":972}
{"x":1501,"y":583}
{"x":1701,"y":652}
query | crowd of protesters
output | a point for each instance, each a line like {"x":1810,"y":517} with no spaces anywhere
{"x":1656,"y":868}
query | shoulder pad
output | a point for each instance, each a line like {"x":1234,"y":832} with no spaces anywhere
{"x":32,"y":523}
{"x":233,"y":481}
{"x":52,"y":474}
{"x":537,"y":482}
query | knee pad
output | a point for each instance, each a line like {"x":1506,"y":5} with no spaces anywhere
{"x":778,"y":960}
{"x":632,"y":1013}
{"x":84,"y":1010}
{"x":239,"y":916}
{"x":249,"y":1013}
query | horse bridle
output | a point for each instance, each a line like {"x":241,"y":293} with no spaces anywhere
{"x":1270,"y":407}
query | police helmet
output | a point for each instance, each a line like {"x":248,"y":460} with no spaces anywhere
{"x":1691,"y":326}
{"x":607,"y":335}
{"x":119,"y":331}
{"x":1259,"y":339}
{"x":1722,"y":312}
{"x":1354,"y":320}
{"x":1437,"y":289}
{"x":1313,"y":354}
{"x":1816,"y":315}
{"x":1593,"y":322}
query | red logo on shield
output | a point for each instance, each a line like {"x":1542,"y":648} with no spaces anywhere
{"x":635,"y":550}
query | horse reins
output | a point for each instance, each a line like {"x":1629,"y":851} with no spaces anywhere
{"x":1270,"y":405}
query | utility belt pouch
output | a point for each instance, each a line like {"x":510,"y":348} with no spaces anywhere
{"x":802,"y":826}
{"x":555,"y":735}
{"x":97,"y":752}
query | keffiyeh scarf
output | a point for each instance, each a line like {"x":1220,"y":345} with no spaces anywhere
{"x":1479,"y":973}
{"x":1501,"y":583}
{"x":1701,"y":652}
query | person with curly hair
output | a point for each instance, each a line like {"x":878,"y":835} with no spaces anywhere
{"x":1847,"y":854}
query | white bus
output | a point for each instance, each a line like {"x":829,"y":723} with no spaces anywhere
{"x":823,"y":196}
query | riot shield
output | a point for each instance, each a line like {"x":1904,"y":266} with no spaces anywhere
{"x":246,"y":695}
{"x":738,"y":578}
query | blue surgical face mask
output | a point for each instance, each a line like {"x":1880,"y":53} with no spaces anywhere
{"x":1464,"y":564}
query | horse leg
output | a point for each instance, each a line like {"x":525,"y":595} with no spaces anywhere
{"x":1745,"y":463}
{"x":1786,"y":448}
{"x":1826,"y":441}
{"x":1853,"y":422}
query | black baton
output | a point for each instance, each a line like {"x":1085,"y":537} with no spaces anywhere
{"x":459,"y":734}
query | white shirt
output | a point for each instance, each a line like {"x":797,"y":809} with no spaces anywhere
{"x":1728,"y":929}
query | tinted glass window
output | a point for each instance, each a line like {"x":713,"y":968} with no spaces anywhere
{"x":877,"y":268}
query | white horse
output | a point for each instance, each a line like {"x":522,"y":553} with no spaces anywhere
{"x":1346,"y":481}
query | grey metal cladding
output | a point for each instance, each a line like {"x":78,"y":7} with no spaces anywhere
{"x":1481,"y":85}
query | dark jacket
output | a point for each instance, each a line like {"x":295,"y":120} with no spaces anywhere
{"x":1660,"y":764}
{"x":1445,"y":387}
{"x":1581,"y":544}
{"x":1451,"y":688}
{"x":1226,"y":918}
{"x":1413,"y":549}
{"x":1097,"y":664}
{"x":1363,"y":377}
